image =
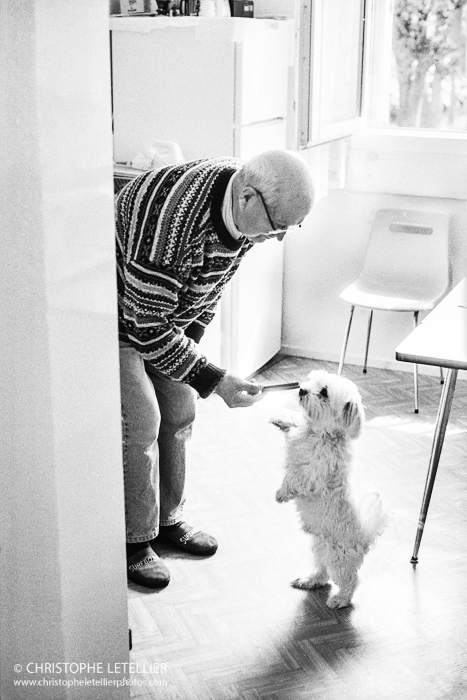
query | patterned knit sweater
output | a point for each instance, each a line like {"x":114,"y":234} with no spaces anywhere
{"x":174,"y":259}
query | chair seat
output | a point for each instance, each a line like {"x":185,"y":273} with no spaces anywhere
{"x":405,"y":268}
{"x":359,"y":294}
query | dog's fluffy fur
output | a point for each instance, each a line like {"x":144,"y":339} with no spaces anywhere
{"x":318,"y":461}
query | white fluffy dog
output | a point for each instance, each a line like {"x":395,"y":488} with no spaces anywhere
{"x":318,"y":461}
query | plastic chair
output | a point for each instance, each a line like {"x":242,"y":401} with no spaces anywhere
{"x":406,"y":268}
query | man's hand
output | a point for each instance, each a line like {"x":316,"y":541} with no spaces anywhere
{"x":238,"y":392}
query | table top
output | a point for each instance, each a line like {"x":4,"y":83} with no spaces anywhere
{"x":441,"y":338}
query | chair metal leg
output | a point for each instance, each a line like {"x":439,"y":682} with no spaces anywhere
{"x":346,"y":340}
{"x":415,"y":367}
{"x":368,"y":340}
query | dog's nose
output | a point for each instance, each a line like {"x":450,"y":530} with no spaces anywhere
{"x":302,"y":392}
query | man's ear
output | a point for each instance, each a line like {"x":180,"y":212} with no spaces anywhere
{"x":247,"y":193}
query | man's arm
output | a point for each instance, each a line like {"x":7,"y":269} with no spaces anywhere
{"x":148,"y":302}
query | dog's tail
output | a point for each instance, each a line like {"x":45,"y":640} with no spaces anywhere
{"x":372,"y":515}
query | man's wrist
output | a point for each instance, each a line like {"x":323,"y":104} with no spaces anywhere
{"x":207,"y":379}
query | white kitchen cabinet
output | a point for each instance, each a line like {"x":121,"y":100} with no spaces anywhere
{"x":217,"y":87}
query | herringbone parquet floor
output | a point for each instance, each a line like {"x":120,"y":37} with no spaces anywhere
{"x":231,"y":627}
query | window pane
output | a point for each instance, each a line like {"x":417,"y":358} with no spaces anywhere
{"x":429,"y":65}
{"x":341,"y":57}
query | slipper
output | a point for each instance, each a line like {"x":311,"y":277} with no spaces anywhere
{"x":187,"y":538}
{"x":147,"y":569}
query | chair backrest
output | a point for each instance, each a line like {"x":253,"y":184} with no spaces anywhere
{"x":407,"y":253}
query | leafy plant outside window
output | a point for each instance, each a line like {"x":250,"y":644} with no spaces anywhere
{"x":429,"y":66}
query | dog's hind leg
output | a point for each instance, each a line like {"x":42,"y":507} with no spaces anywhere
{"x":317,"y":580}
{"x":345,"y":576}
{"x":343,"y":597}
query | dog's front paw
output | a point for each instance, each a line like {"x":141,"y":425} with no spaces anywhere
{"x":281,"y":424}
{"x":285,"y":421}
{"x":338,"y":601}
{"x":282,"y":495}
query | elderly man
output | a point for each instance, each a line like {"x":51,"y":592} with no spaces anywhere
{"x":182,"y":232}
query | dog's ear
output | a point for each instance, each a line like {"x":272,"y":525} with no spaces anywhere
{"x":352,"y":418}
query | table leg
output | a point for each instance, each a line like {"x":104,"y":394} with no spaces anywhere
{"x":438,"y":439}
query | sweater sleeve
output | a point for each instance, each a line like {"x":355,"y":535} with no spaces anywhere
{"x":149,"y":301}
{"x":196,"y":329}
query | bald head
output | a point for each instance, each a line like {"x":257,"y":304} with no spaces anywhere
{"x":285,"y":182}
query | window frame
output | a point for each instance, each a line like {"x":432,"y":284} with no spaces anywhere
{"x":312,"y":130}
{"x":375,"y":71}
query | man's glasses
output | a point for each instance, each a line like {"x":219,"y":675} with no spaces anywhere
{"x":274,"y":231}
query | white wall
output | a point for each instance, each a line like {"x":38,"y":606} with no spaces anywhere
{"x":62,"y":561}
{"x":381,"y":171}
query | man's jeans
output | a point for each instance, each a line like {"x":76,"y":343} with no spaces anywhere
{"x":157,"y":416}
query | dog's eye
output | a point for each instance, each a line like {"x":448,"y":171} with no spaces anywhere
{"x":324,"y":393}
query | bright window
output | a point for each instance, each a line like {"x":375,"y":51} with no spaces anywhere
{"x":418,"y":67}
{"x":382,"y":63}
